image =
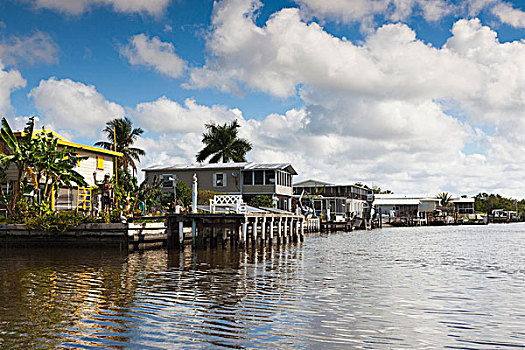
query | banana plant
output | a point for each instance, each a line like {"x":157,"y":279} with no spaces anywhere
{"x":21,"y":153}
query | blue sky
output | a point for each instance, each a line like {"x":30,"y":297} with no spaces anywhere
{"x":345,"y":90}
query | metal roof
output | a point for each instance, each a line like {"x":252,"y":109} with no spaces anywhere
{"x":196,"y":166}
{"x":239,"y":165}
{"x":312,"y":183}
{"x":271,"y":166}
{"x":463,"y":200}
{"x":317,"y":183}
{"x":425,"y":197}
{"x":398,"y":201}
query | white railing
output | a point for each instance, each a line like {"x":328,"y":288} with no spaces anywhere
{"x":231,"y":202}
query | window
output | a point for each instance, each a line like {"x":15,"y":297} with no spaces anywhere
{"x":167,"y":181}
{"x":100,"y":163}
{"x":269,"y":177}
{"x":258,"y":177}
{"x":219,"y":180}
{"x":247,"y":178}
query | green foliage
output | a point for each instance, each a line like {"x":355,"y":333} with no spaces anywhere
{"x":221,"y":143}
{"x":203,"y":197}
{"x":183,"y":194}
{"x":485,"y":202}
{"x":39,"y":161}
{"x":129,"y":195}
{"x":58,"y":221}
{"x":122,"y":130}
{"x":444,"y":198}
{"x":261,"y":201}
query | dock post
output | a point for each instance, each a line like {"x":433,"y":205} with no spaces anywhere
{"x":263,"y":230}
{"x":213,"y":240}
{"x":169,"y":231}
{"x":279,"y":230}
{"x":297,"y":230}
{"x":291,"y":230}
{"x":238,"y":232}
{"x":271,"y":229}
{"x":181,"y":233}
{"x":285,"y":228}
{"x":244,"y":230}
{"x":193,"y":232}
{"x":224,"y":235}
{"x":254,"y":233}
{"x":302,"y":229}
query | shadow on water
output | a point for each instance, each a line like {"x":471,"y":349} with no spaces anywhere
{"x":425,"y":288}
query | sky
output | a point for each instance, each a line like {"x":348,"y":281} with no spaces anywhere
{"x":415,"y":96}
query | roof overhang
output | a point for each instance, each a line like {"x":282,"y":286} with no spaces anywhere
{"x":64,"y":142}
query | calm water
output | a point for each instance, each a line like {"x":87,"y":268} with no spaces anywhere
{"x":432,"y":287}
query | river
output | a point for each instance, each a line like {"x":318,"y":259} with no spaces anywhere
{"x":457,"y":287}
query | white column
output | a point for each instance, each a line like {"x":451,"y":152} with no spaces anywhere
{"x":255,"y":230}
{"x":244,"y":232}
{"x":181,"y":232}
{"x":271,"y":229}
{"x":263,"y":229}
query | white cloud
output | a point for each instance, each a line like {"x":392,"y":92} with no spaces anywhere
{"x":76,"y":7}
{"x":38,"y":47}
{"x":377,"y":109}
{"x":10,"y":80}
{"x":509,"y":15}
{"x":287,"y":52}
{"x":364,"y":11}
{"x":178,"y":128}
{"x":74,"y":106}
{"x":153,"y":53}
{"x":167,"y":116}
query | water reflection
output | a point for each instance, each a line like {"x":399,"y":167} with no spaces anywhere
{"x":403,"y":288}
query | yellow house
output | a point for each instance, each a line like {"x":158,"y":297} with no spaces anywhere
{"x":100,"y":162}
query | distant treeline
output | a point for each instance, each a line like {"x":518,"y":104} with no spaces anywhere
{"x":488,"y":202}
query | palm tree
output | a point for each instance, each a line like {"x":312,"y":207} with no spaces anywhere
{"x":21,"y":152}
{"x":221,"y":142}
{"x":126,"y":136}
{"x":444,"y":198}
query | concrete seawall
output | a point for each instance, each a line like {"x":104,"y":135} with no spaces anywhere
{"x":120,"y":235}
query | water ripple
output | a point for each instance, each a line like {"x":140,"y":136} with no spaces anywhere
{"x":425,"y":288}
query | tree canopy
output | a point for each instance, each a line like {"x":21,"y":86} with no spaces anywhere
{"x":221,"y":143}
{"x":122,"y":130}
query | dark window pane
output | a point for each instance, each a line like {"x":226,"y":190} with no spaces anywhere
{"x":247,"y":177}
{"x":219,"y":180}
{"x":258,"y":178}
{"x":269,"y":177}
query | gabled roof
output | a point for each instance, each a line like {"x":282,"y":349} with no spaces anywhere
{"x":64,"y":142}
{"x":239,"y":165}
{"x":312,"y":183}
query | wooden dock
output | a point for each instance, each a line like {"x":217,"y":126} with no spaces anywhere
{"x":177,"y":230}
{"x":239,"y":229}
